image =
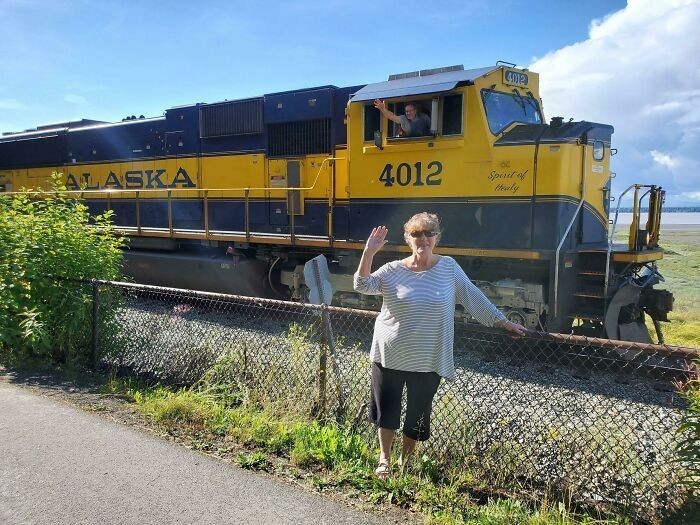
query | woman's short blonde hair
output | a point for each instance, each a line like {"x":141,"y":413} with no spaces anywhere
{"x":429,"y":220}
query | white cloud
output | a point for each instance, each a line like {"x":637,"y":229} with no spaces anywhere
{"x":694,"y":195}
{"x":638,"y":70}
{"x":663,"y":159}
{"x":74,"y":99}
{"x":11,"y":104}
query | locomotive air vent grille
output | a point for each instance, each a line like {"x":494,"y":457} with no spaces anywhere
{"x":299,"y":138}
{"x":239,"y":117}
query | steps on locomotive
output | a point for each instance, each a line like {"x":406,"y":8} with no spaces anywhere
{"x":590,"y":294}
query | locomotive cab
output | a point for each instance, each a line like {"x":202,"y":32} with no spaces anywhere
{"x":524,"y":204}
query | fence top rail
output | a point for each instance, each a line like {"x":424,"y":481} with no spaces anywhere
{"x":579,"y":340}
{"x":610,"y":344}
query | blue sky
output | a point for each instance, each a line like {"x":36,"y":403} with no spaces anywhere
{"x":71,"y":59}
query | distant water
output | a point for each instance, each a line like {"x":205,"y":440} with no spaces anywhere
{"x":666,"y":218}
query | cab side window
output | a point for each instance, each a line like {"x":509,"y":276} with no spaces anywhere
{"x":450,"y":118}
{"x":372,"y":122}
{"x":394,"y":128}
{"x":451,"y":115}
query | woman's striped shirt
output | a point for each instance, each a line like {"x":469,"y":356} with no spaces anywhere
{"x":415,"y":327}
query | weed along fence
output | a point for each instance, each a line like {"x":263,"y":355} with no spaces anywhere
{"x":595,"y":420}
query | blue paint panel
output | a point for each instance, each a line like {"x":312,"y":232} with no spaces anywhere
{"x":278,"y":212}
{"x":34,"y":149}
{"x":496,"y":225}
{"x":183,"y":121}
{"x":183,"y":118}
{"x":593,"y":231}
{"x":135,"y":139}
{"x":230,"y":215}
{"x":188,"y":214}
{"x":313,"y":222}
{"x":124,"y":213}
{"x":96,"y":207}
{"x":477,"y":225}
{"x":550,"y":220}
{"x":299,"y":105}
{"x":154,"y":214}
{"x":341,"y":220}
{"x":315,"y":219}
{"x":487,"y":225}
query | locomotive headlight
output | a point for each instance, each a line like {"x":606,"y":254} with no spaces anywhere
{"x":598,"y":150}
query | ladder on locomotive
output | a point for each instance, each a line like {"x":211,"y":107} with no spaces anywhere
{"x":598,"y":280}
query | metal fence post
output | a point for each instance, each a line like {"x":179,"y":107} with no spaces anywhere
{"x":95,"y":322}
{"x":323,"y":362}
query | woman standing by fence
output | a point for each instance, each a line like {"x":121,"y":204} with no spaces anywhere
{"x":414,"y":332}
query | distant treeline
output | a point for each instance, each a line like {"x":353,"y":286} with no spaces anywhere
{"x":667,"y":209}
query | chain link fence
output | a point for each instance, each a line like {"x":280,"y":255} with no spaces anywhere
{"x":594,"y":419}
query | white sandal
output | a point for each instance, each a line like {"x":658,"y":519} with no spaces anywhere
{"x":383,"y":471}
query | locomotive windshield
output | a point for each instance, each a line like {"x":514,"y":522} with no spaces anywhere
{"x":502,"y":109}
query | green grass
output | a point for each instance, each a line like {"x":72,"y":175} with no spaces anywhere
{"x":341,"y":460}
{"x":680,"y":267}
{"x":184,"y":406}
{"x":681,"y":270}
{"x":253,"y":461}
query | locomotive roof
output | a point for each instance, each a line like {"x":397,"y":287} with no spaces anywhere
{"x":419,"y":85}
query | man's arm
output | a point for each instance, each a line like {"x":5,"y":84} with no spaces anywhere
{"x":381,"y":106}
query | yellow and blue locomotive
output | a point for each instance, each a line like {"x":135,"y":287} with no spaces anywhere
{"x":238,"y":196}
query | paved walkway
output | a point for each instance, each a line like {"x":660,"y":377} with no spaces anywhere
{"x":62,"y":465}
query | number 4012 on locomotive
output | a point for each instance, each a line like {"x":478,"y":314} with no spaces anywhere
{"x":238,"y":196}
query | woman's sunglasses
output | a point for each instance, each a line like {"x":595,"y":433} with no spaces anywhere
{"x":420,"y":233}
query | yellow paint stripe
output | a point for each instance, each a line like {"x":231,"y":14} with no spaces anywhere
{"x":321,"y":242}
{"x":641,"y":257}
{"x":473,"y":252}
{"x":469,"y":252}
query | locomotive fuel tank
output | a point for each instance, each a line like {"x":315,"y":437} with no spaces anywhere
{"x":211,"y":273}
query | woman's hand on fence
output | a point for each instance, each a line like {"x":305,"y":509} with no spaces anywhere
{"x":376,"y":240}
{"x":512,"y":327}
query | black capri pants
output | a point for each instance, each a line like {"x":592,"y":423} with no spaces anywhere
{"x":385,"y":400}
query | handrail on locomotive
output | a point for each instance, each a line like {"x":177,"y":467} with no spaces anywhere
{"x":205,"y":191}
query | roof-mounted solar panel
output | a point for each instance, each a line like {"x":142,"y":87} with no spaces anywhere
{"x":436,"y":70}
{"x":399,"y":76}
{"x":427,"y":72}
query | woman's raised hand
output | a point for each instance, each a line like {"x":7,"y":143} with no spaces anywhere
{"x":376,"y":240}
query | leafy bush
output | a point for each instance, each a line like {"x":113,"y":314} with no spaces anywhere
{"x":42,"y":238}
